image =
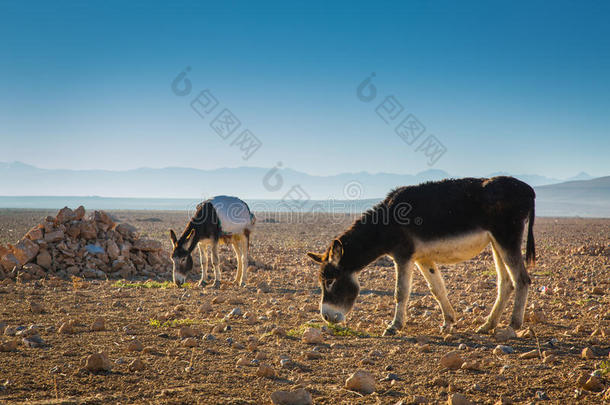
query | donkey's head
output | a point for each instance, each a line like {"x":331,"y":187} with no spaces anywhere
{"x":181,"y":255}
{"x":339,"y":286}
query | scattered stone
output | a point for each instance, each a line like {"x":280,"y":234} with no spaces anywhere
{"x":458,"y":399}
{"x":526,"y":333}
{"x":278,"y":331}
{"x":296,"y":397}
{"x":9,"y":346}
{"x":186,"y":332}
{"x":266,"y":371}
{"x":598,"y":290}
{"x":452,"y":360}
{"x":242,"y":361}
{"x":135,"y":346}
{"x":190,"y":342}
{"x":419,"y":399}
{"x":361,"y":381}
{"x":541,"y":395}
{"x":98,"y":362}
{"x":98,"y":325}
{"x":587,"y":353}
{"x":532,"y":354}
{"x":66,"y":328}
{"x":502,"y":350}
{"x":136,"y":365}
{"x":36,"y":307}
{"x":312,"y":336}
{"x":33,"y":341}
{"x":502,"y":335}
{"x":472,"y":365}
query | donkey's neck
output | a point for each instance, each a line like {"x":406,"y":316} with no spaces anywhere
{"x":366,"y":240}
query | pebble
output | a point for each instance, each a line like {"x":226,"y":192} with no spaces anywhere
{"x":458,"y":399}
{"x":9,"y":346}
{"x":242,"y":361}
{"x":98,"y":325}
{"x":541,"y":395}
{"x":33,"y":341}
{"x":312,"y":336}
{"x":313,"y":355}
{"x":266,"y":371}
{"x":36,"y":308}
{"x":235,"y":312}
{"x":471,"y":365}
{"x":452,"y":360}
{"x":391,"y":377}
{"x":501,"y":350}
{"x":186,"y":332}
{"x":98,"y":362}
{"x":532,"y":354}
{"x":190,"y":342}
{"x":361,"y":381}
{"x":587,"y":353}
{"x":209,"y":336}
{"x":66,"y":328}
{"x":296,"y":397}
{"x":135,"y":346}
{"x":419,"y":399}
{"x":502,"y":335}
{"x":462,"y":346}
{"x":136,"y":365}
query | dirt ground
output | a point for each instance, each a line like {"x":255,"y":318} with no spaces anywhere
{"x":568,"y":311}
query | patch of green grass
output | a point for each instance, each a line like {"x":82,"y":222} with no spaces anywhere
{"x":604,"y":367}
{"x":546,"y":273}
{"x":490,"y":271}
{"x":174,"y":323}
{"x":337,"y":330}
{"x":145,"y":284}
{"x":151,"y":284}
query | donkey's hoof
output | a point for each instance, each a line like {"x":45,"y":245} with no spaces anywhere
{"x":202,"y":283}
{"x":485,"y":328}
{"x":446,"y":328}
{"x":215,"y":285}
{"x":516,"y":325}
{"x":390,"y":331}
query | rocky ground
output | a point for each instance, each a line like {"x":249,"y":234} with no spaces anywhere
{"x":113,"y":341}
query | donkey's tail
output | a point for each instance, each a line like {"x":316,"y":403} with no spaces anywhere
{"x":530,"y":250}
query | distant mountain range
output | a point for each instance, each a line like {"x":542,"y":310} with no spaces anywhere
{"x":20,"y":179}
{"x":580,"y":195}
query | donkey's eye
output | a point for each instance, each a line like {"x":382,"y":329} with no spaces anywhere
{"x":328,"y":284}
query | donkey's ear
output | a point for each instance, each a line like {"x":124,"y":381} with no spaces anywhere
{"x":172,"y":235}
{"x":315,"y":257}
{"x":336,"y":252}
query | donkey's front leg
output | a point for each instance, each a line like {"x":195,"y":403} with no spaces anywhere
{"x":436,"y":285}
{"x":203,"y":258}
{"x":216,"y":264}
{"x":404,"y":277}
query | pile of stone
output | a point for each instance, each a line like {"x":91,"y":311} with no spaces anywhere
{"x":70,"y":244}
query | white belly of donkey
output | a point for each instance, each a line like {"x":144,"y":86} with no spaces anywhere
{"x":453,"y":249}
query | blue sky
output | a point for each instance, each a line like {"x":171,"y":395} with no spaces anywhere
{"x":516,"y":87}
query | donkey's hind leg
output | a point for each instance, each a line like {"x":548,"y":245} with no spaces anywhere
{"x":521,"y":280}
{"x":244,"y":260}
{"x":505,"y":287}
